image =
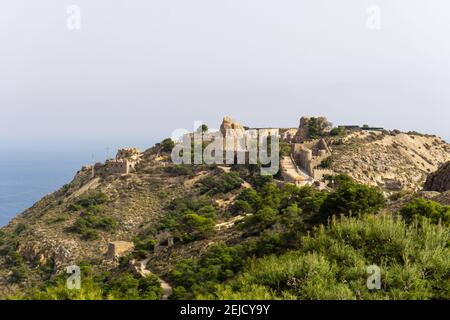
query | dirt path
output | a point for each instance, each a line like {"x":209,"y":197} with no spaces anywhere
{"x":167,"y":290}
{"x":230,"y":223}
{"x":165,"y":286}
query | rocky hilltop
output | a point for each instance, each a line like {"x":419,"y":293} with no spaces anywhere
{"x":124,"y":214}
{"x":391,"y":160}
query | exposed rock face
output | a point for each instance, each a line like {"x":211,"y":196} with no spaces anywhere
{"x":304,"y":129}
{"x":229,"y":123}
{"x":138,"y":268}
{"x":238,"y":132}
{"x":439,"y":180}
{"x":391,"y":162}
{"x":117,"y":249}
{"x":61,"y":252}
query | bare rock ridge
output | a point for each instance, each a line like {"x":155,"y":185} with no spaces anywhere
{"x":230,"y":124}
{"x":439,"y":180}
{"x":390,"y":160}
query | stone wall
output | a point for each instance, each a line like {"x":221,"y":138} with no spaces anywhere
{"x":122,"y":166}
{"x":309,"y":155}
{"x":117,"y":249}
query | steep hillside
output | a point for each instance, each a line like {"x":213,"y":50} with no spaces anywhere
{"x":196,"y":226}
{"x":47,"y":237}
{"x":392,"y":161}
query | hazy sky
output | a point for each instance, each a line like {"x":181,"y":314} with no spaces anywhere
{"x":139,"y":69}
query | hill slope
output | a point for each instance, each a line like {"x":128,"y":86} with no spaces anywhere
{"x":197,"y":207}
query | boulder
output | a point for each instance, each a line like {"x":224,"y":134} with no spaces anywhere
{"x":229,"y":123}
{"x":439,"y":180}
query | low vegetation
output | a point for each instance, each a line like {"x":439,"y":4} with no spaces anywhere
{"x":332,"y":264}
{"x":92,"y":217}
{"x":421,"y":208}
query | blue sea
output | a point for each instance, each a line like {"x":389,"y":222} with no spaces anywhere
{"x":29,"y":173}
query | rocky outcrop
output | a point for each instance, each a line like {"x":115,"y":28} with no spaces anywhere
{"x":391,"y":162}
{"x":229,"y":123}
{"x":439,"y":180}
{"x":138,"y":268}
{"x":60,"y":253}
{"x":308,"y":125}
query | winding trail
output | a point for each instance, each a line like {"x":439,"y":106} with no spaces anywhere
{"x":165,"y":286}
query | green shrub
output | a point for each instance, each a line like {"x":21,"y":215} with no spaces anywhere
{"x":332,"y":263}
{"x":285,"y":149}
{"x":19,"y":229}
{"x":92,"y":216}
{"x":192,"y":277}
{"x":167,"y":145}
{"x":420,"y":207}
{"x":249,"y":200}
{"x":91,"y":200}
{"x":352,"y":198}
{"x":123,"y":286}
{"x":317,"y":127}
{"x":338,"y":131}
{"x":180,"y":170}
{"x":194,"y":226}
{"x":220,"y":184}
{"x":87,"y":224}
{"x":19,"y":273}
{"x":261,"y":220}
{"x":190,"y":218}
{"x":326,"y":163}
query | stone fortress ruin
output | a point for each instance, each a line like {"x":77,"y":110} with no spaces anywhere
{"x":303,"y":166}
{"x":124,"y":163}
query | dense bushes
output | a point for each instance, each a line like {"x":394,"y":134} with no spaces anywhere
{"x":352,"y":198}
{"x":88,"y":222}
{"x":91,"y":200}
{"x":167,"y":145}
{"x":279,"y":207}
{"x":11,"y":258}
{"x":92,"y":216}
{"x":332,"y":264}
{"x":317,"y":126}
{"x":337,"y":131}
{"x":288,"y":205}
{"x":220,"y":184}
{"x":180,"y":170}
{"x":195,"y":226}
{"x":285,"y":149}
{"x":190,"y":218}
{"x":200,"y":276}
{"x":123,"y":286}
{"x":420,"y":208}
{"x":127,"y":287}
